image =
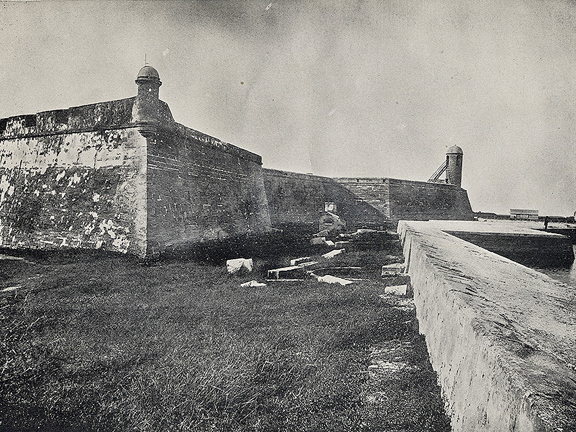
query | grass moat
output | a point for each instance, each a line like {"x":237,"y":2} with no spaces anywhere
{"x":105,"y":343}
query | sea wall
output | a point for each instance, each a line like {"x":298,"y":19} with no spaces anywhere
{"x":374,"y":191}
{"x":500,"y":335}
{"x":200,"y":189}
{"x":73,"y":178}
{"x":554,"y":250}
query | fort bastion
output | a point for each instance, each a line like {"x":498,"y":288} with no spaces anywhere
{"x":123,"y":176}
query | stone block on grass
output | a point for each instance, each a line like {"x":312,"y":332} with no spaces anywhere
{"x":342,"y":244}
{"x":253,"y":283}
{"x":399,"y":290}
{"x":333,"y":253}
{"x":333,"y":280}
{"x":392,"y":270}
{"x":239,"y":265}
{"x":291,"y":272}
{"x":298,"y":261}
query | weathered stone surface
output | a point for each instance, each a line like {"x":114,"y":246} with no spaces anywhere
{"x":333,"y":280}
{"x":297,"y":261}
{"x":253,"y":283}
{"x":307,"y":264}
{"x":239,"y":264}
{"x":201,"y":189}
{"x":297,"y":199}
{"x":330,"y":224}
{"x":74,"y":190}
{"x":94,"y":117}
{"x":124,"y":176}
{"x":502,"y":337}
{"x":405,"y":199}
{"x":318,"y":241}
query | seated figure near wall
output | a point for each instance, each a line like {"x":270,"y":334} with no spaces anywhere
{"x":330,"y":224}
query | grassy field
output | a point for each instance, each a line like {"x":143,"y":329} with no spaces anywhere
{"x":104,"y":343}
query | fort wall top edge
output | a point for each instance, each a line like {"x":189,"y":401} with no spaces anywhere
{"x":109,"y":115}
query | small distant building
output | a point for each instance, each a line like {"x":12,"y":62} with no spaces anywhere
{"x":524,"y":214}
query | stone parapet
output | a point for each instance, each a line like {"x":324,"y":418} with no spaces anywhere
{"x":502,"y":337}
{"x":104,"y":115}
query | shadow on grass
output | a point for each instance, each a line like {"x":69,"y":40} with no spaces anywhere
{"x":108,"y":344}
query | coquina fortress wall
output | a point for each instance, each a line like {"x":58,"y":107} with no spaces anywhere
{"x":295,"y":199}
{"x":123,"y":176}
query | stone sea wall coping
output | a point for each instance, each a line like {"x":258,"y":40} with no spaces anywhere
{"x":501,"y":336}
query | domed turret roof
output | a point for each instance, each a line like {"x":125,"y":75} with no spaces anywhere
{"x":454,"y":150}
{"x":148,"y":72}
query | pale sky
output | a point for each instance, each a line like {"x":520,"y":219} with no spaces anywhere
{"x":369,"y":88}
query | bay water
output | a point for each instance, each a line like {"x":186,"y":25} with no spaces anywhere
{"x":563,"y":274}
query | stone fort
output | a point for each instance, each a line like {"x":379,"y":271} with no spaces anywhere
{"x":123,"y":176}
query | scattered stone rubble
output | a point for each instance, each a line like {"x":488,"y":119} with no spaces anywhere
{"x":388,"y":360}
{"x":361,"y":239}
{"x":318,"y":241}
{"x":329,"y":224}
{"x":395,"y":269}
{"x":305,"y":267}
{"x":298,"y":261}
{"x":401,"y":290}
{"x":395,"y":279}
{"x":331,"y":279}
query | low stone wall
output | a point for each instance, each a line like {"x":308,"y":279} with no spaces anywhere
{"x":502,"y":337}
{"x":515,"y":240}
